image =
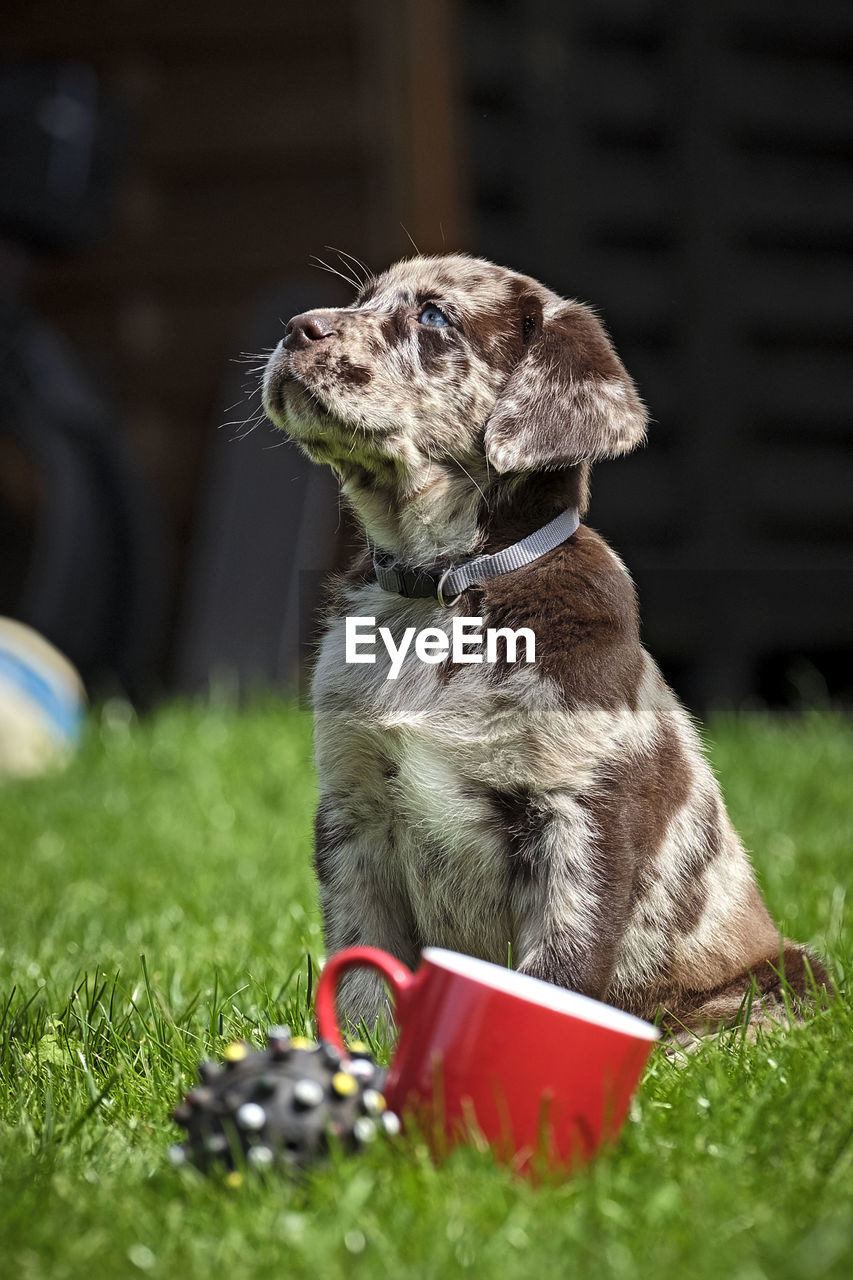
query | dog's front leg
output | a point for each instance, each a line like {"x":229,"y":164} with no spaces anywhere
{"x":570,"y":896}
{"x":363,"y":904}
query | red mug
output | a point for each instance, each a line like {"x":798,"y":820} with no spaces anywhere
{"x":539,"y":1071}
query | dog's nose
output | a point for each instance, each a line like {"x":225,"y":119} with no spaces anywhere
{"x":302,"y":330}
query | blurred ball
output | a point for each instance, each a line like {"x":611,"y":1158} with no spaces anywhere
{"x":42,"y":703}
{"x":281,"y":1107}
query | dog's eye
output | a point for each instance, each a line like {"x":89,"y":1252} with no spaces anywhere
{"x":433,"y":317}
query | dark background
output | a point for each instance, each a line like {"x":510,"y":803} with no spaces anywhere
{"x":686,"y":167}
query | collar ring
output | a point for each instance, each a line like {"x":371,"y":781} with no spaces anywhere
{"x":439,"y":591}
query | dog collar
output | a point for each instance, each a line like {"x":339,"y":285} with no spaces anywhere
{"x":415,"y":582}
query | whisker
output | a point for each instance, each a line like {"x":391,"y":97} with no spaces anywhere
{"x":245,"y":356}
{"x":257,"y":410}
{"x":314,"y":261}
{"x":242,"y":435}
{"x":256,"y":413}
{"x":429,"y":461}
{"x":231,"y":407}
{"x":470,"y":477}
{"x":342,"y":253}
{"x":414,"y":246}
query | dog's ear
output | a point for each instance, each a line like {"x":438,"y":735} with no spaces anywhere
{"x":569,"y":398}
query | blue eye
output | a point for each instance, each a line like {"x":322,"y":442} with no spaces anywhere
{"x":433,"y":317}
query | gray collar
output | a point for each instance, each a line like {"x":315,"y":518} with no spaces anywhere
{"x":447,"y":585}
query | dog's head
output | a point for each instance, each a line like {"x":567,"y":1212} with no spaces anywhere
{"x":443,"y":386}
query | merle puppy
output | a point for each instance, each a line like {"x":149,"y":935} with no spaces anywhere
{"x":560,"y":811}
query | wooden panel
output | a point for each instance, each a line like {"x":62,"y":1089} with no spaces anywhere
{"x":258,"y":135}
{"x":793,"y":199}
{"x":642,"y":106}
{"x":663,"y":514}
{"x":631,"y":195}
{"x":824,"y":28}
{"x":794,"y":294}
{"x":804,"y":492}
{"x":221,"y":235}
{"x":157,"y":26}
{"x":686,"y":168}
{"x":238,"y":107}
{"x":793,"y":101}
{"x":801,"y":392}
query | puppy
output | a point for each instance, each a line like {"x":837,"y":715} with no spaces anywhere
{"x":558,"y":812}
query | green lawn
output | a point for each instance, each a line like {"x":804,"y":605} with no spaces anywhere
{"x":157,"y":900}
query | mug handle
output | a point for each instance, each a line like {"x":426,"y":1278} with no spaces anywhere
{"x":395,"y":973}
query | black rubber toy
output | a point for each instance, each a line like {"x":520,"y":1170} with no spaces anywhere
{"x":280,"y":1107}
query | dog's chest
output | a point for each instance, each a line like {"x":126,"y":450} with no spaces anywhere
{"x":413,"y":763}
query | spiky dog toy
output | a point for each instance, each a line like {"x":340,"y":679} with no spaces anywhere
{"x":281,"y":1106}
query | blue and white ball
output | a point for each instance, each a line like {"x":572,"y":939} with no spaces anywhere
{"x":42,"y":703}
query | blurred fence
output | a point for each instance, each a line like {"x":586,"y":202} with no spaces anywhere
{"x":686,"y":168}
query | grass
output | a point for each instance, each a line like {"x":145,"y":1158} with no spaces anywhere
{"x":157,"y":900}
